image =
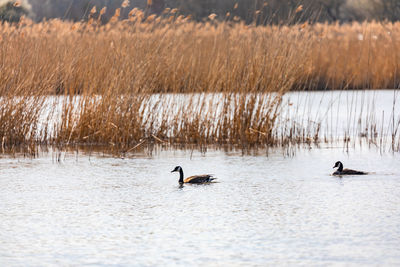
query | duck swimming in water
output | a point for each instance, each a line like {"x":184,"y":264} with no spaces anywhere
{"x":195,"y":179}
{"x":341,"y":171}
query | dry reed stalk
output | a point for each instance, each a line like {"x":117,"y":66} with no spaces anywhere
{"x":117,"y":69}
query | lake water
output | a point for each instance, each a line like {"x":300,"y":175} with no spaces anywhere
{"x":374,"y":114}
{"x":265,"y":209}
{"x":99,"y":210}
{"x":331,"y":115}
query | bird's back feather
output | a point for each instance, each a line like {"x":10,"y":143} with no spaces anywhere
{"x":199,"y":179}
{"x":349,"y":172}
{"x":353,"y":172}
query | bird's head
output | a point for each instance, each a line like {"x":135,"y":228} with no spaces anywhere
{"x":177,"y":169}
{"x":337,"y":164}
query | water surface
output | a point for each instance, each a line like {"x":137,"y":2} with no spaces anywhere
{"x":103,"y":211}
{"x":329,"y":115}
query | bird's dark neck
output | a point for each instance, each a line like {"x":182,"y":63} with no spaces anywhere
{"x":181,"y":176}
{"x":340,"y":169}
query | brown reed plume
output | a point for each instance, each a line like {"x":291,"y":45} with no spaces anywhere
{"x":115,"y":83}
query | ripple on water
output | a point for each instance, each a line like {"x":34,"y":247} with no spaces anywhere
{"x":273,"y":210}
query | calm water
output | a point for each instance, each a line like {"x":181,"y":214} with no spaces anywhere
{"x":336,"y":114}
{"x":351,"y":113}
{"x":265,"y":210}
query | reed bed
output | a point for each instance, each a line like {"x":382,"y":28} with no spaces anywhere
{"x":113,"y":83}
{"x":353,"y":56}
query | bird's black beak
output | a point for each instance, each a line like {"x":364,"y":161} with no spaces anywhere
{"x":334,"y":167}
{"x":173,"y":171}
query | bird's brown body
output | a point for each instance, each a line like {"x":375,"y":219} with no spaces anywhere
{"x":199,"y":179}
{"x":195,"y":179}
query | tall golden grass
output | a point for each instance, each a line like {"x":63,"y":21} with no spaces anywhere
{"x":353,"y":56}
{"x":113,"y":78}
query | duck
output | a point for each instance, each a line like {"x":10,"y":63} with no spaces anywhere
{"x":341,"y":171}
{"x":195,"y":179}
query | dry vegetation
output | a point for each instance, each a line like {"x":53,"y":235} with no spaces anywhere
{"x":354,"y":56}
{"x":114,"y":82}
